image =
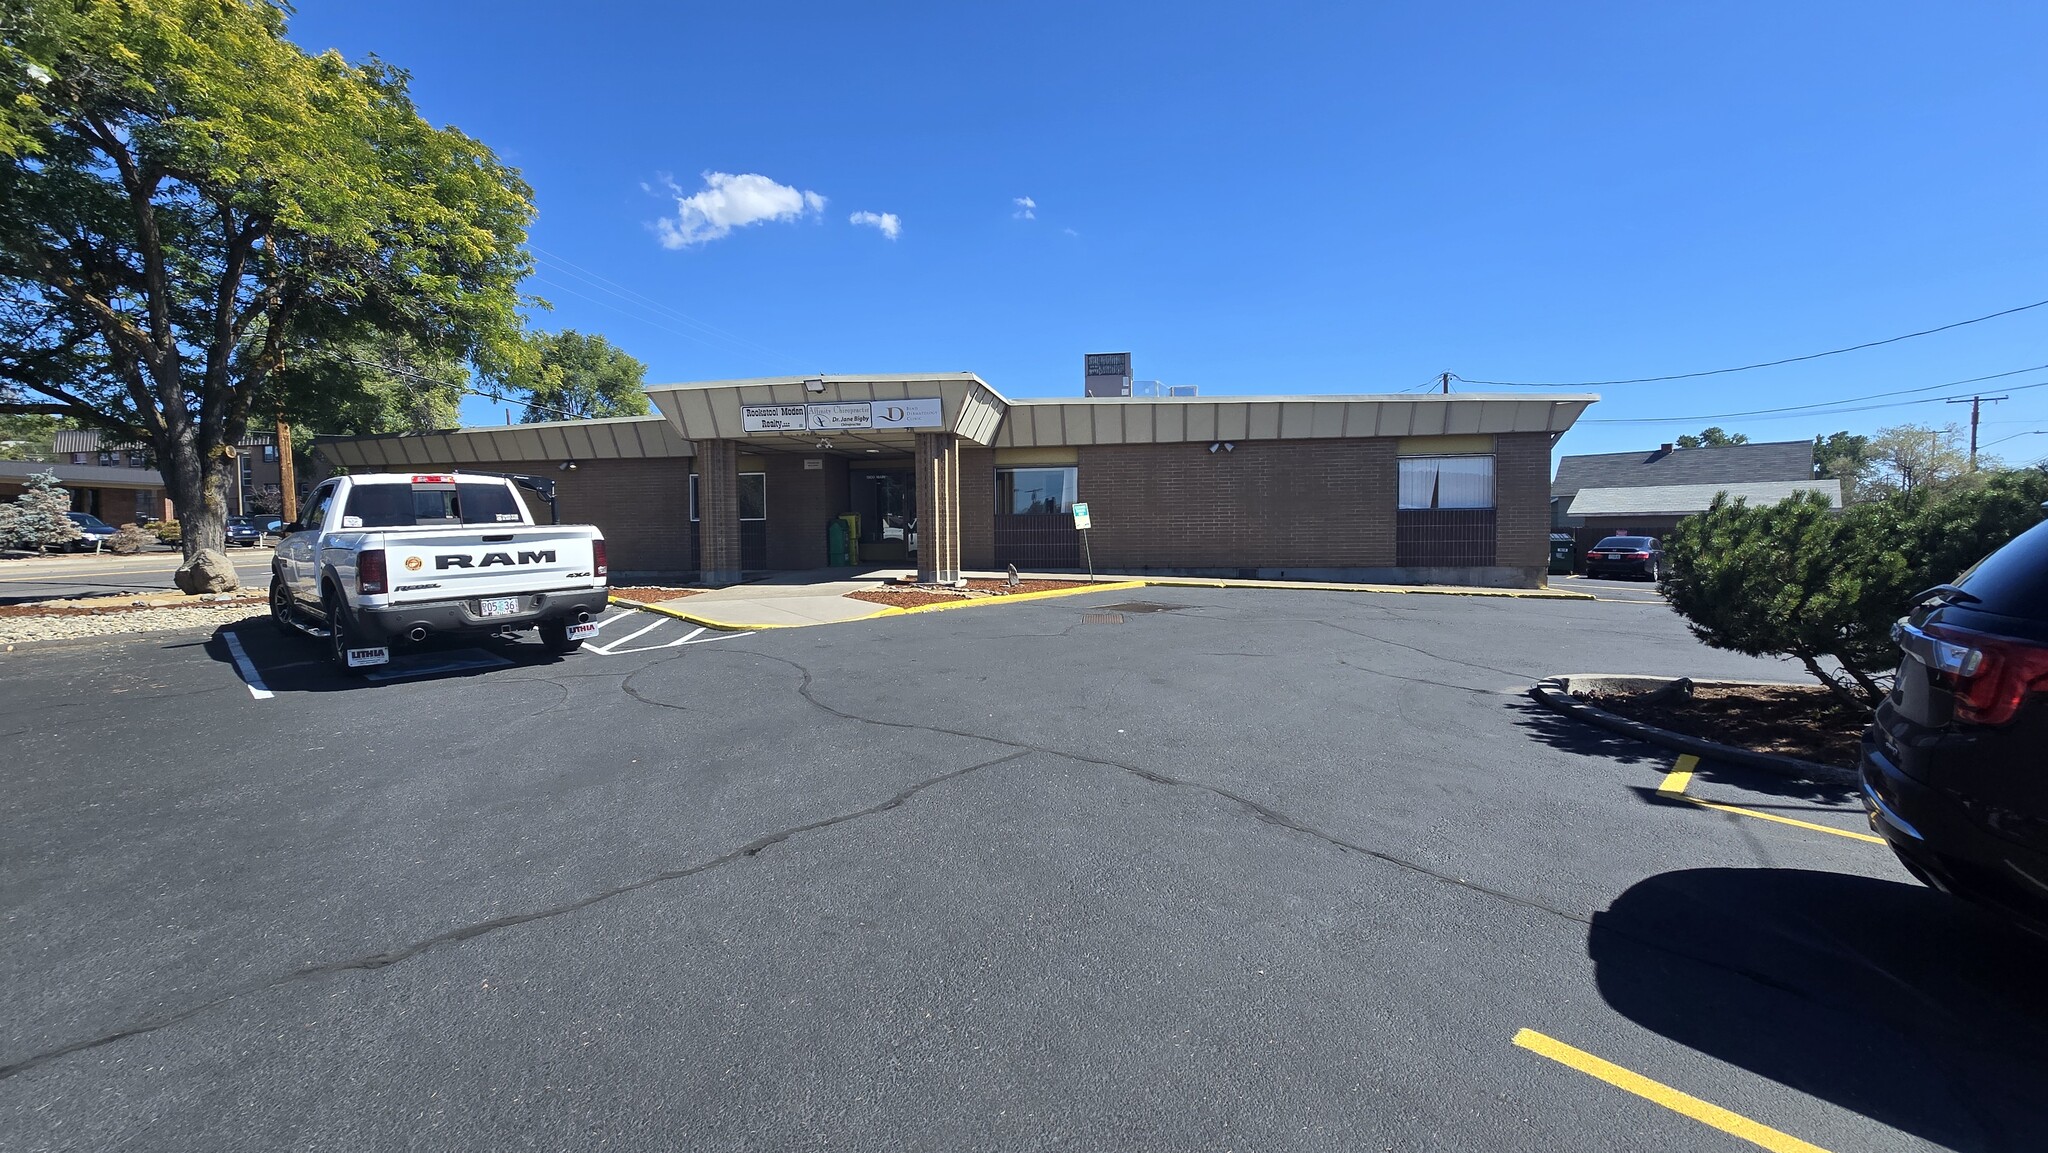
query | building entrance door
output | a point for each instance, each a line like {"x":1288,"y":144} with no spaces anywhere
{"x":886,"y":502}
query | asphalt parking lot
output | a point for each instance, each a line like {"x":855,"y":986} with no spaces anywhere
{"x":1184,"y":868}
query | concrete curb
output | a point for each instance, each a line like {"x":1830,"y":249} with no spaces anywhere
{"x":1335,"y":587}
{"x":1554,"y":693}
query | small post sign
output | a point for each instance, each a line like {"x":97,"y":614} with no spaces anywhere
{"x":1081,"y":522}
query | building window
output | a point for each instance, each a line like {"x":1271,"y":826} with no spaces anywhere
{"x":1022,"y":491}
{"x":248,"y":484}
{"x":109,"y":459}
{"x":269,"y":454}
{"x":77,"y":458}
{"x":753,"y":496}
{"x":135,"y":460}
{"x":1446,"y":482}
{"x":144,"y":506}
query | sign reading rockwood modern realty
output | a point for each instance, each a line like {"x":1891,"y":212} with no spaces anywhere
{"x":1106,"y":374}
{"x":840,"y":415}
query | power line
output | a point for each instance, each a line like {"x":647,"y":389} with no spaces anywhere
{"x":1817,"y":412}
{"x":1819,"y":404}
{"x":612,"y":287}
{"x":1760,"y":364}
{"x":471,"y":390}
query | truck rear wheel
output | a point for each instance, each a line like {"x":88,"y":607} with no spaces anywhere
{"x":339,"y":630}
{"x":554,"y":636}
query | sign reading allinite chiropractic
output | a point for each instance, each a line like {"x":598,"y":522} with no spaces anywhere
{"x":840,"y":414}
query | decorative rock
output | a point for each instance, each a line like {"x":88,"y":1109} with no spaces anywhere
{"x":209,"y":572}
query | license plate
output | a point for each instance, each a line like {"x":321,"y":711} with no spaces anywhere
{"x":360,"y":658}
{"x":497,"y":606}
{"x":583,"y":631}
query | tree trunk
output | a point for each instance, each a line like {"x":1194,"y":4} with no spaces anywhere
{"x":194,"y":483}
{"x":1842,"y":694}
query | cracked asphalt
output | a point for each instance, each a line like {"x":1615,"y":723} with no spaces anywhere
{"x":1268,"y":870}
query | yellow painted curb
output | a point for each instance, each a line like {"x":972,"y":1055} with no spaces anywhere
{"x":1324,"y":586}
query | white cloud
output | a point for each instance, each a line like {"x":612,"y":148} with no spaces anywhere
{"x":727,"y":202}
{"x":1027,"y":208}
{"x":888,"y":222}
{"x":1070,"y":232}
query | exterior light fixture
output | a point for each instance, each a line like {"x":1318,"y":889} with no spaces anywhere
{"x":1214,"y":445}
{"x":1229,"y":446}
{"x":815,"y":384}
{"x":568,"y":466}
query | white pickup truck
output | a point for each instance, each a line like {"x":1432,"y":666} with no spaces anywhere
{"x":382,"y":559}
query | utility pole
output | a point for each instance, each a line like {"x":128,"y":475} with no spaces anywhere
{"x":1445,"y":380}
{"x":1976,"y":404}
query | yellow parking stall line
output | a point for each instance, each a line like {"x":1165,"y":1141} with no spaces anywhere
{"x":1679,"y":777}
{"x":1656,"y":1092}
{"x":1741,"y":812}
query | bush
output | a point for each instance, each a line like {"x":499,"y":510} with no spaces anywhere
{"x":40,"y":517}
{"x":129,"y":540}
{"x":167,"y":531}
{"x":1799,"y":579}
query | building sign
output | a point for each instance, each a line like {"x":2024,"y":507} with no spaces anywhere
{"x":838,"y":415}
{"x":1109,"y":364}
{"x":923,"y":413}
{"x":841,"y":415}
{"x":772,"y":417}
{"x":1081,"y":514}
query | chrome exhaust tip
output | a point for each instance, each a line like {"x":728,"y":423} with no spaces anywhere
{"x":418,"y":634}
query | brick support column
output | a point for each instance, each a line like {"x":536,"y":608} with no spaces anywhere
{"x":718,"y":512}
{"x":1521,"y":485}
{"x":938,"y":508}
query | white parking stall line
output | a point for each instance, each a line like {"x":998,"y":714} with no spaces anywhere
{"x":607,"y":650}
{"x":247,"y":668}
{"x":692,"y":639}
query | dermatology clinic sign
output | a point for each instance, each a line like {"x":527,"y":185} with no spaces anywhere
{"x":839,"y":416}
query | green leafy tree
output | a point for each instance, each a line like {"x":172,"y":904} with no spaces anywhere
{"x":28,"y":437}
{"x":572,"y":376}
{"x":1715,"y":437}
{"x":1906,"y":457}
{"x":39,"y":518}
{"x":188,"y":201}
{"x":1844,"y":457}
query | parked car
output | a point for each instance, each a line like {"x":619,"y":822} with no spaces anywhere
{"x":242,"y":530}
{"x":1951,"y":764}
{"x":1636,"y":556}
{"x":97,"y":532}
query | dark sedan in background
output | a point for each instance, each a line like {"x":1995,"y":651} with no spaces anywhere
{"x":243,"y":530}
{"x":1626,"y":556}
{"x":1953,"y":771}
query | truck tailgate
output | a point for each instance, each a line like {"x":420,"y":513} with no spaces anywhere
{"x":438,"y":564}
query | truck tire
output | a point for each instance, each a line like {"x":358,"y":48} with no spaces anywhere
{"x":554,"y":636}
{"x":282,"y":610}
{"x":339,"y":630}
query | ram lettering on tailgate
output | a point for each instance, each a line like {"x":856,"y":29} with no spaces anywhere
{"x":491,"y":559}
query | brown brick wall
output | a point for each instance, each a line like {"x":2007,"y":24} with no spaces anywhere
{"x":1294,"y":504}
{"x":641,"y":506}
{"x":1521,"y":488}
{"x":977,"y":508}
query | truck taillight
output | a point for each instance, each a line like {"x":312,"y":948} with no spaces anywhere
{"x":597,"y":564}
{"x":371,"y":577}
{"x":1991,"y":677}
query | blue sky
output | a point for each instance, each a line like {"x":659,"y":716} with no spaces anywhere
{"x":1278,"y":198}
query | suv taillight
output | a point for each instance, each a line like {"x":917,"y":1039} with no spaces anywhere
{"x":371,"y":577}
{"x":1990,"y":676}
{"x":597,"y":564}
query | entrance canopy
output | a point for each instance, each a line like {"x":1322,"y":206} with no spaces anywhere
{"x":833,"y":415}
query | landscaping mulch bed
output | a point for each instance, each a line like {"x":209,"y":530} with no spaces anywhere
{"x":107,"y":606}
{"x":652,"y":594}
{"x":910,"y":595}
{"x":1790,"y":720}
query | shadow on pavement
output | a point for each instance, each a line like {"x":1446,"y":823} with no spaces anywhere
{"x":298,"y":664}
{"x":1886,"y":999}
{"x":1574,"y":736}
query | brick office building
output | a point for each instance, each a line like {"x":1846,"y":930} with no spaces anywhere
{"x":944,"y":472}
{"x":119,"y":484}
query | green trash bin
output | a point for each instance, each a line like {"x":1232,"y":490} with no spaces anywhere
{"x":1564,"y":550}
{"x":835,"y":543}
{"x":852,"y":522}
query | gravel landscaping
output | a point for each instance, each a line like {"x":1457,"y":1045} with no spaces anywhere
{"x":107,"y":616}
{"x":1792,"y":720}
{"x":907,"y":595}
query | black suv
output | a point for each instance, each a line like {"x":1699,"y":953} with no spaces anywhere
{"x":1955,"y":766}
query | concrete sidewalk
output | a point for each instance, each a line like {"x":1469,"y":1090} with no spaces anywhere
{"x":817,"y":597}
